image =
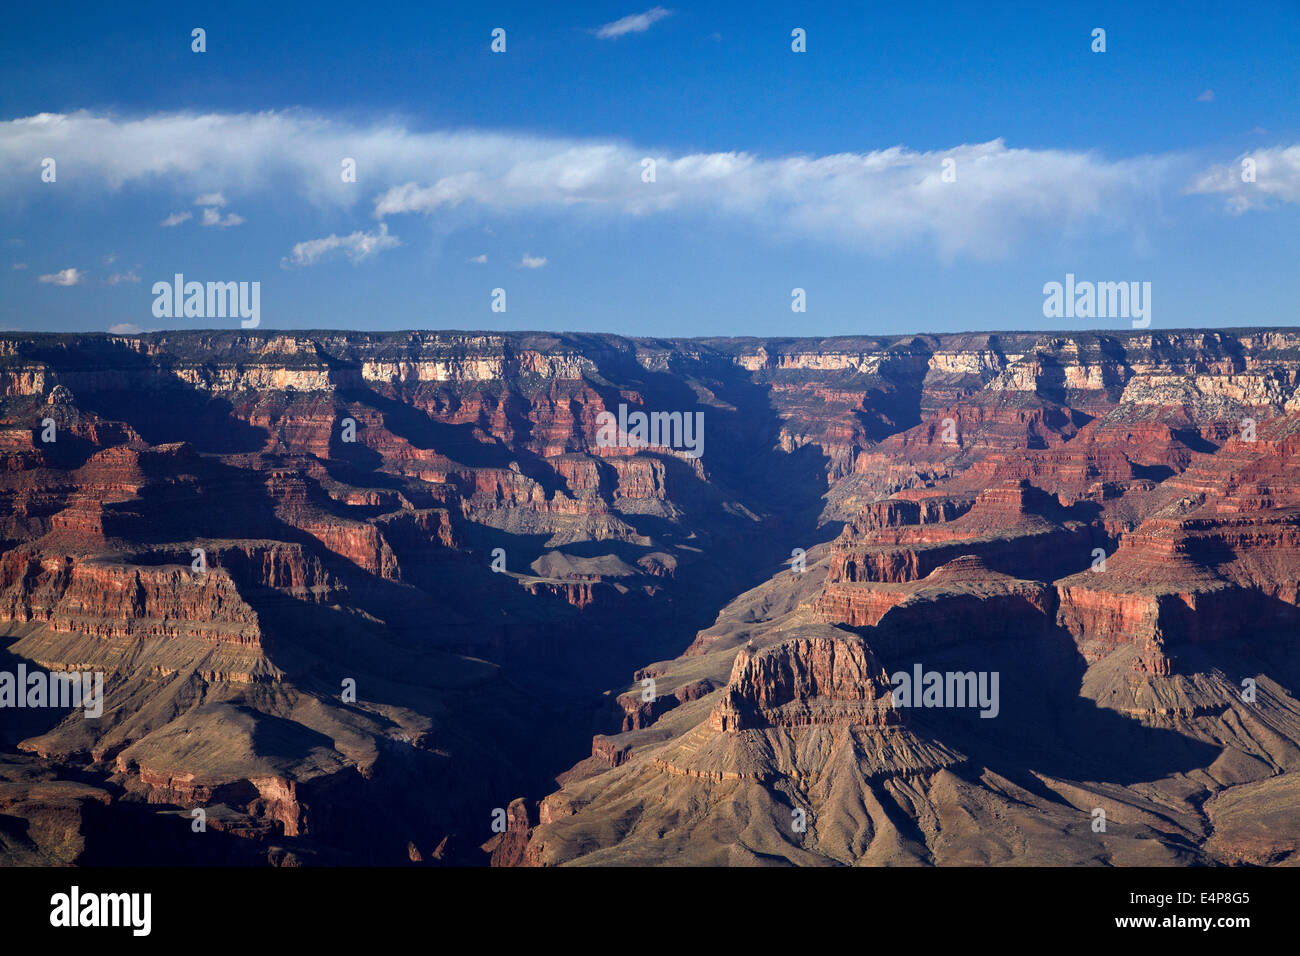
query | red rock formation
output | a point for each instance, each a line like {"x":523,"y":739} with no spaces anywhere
{"x":805,"y":681}
{"x":509,"y":848}
{"x":72,"y":595}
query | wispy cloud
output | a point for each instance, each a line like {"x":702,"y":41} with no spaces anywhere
{"x":1275,"y":178}
{"x":532,"y":262}
{"x":211,"y":204}
{"x":213,"y":218}
{"x":359,"y":245}
{"x":63,"y":277}
{"x":481,"y":258}
{"x":636,"y":23}
{"x":876,"y":201}
{"x":20,"y":265}
{"x":119,"y":277}
{"x":125,"y":328}
{"x":1206,"y":97}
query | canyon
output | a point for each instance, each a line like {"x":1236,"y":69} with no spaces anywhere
{"x":391,"y":598}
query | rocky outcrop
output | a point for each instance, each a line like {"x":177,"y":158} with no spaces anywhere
{"x":111,"y":601}
{"x":815,"y":680}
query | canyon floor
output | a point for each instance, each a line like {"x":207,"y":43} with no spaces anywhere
{"x":364,"y":598}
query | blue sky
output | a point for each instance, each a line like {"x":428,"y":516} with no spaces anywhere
{"x":819,"y":170}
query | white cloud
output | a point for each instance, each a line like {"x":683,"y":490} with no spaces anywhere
{"x":875,"y":201}
{"x":63,"y":277}
{"x":20,"y":265}
{"x":1206,"y":97}
{"x":636,"y":23}
{"x":359,"y":245}
{"x":213,"y":218}
{"x":532,"y":262}
{"x":481,"y":258}
{"x":1277,"y":179}
{"x":125,"y":328}
{"x":211,"y":203}
{"x":119,"y":277}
